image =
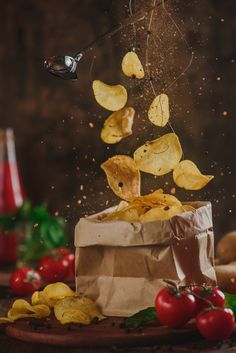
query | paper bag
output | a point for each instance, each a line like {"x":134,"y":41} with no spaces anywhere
{"x":121,"y":265}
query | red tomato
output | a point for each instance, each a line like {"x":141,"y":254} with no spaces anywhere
{"x":53,"y":268}
{"x":25,"y":281}
{"x":212,"y":294}
{"x":174,"y":309}
{"x":215,"y":324}
{"x":70,"y":257}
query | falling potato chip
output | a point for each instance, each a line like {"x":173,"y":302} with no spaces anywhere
{"x":110,"y":97}
{"x":85,"y":310}
{"x":52,"y":293}
{"x":118,"y":125}
{"x":123,"y":176}
{"x":131,"y":65}
{"x":187,"y":175}
{"x":159,"y":112}
{"x":161,"y":213}
{"x":159,"y":156}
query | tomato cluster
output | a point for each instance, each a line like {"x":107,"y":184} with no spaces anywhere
{"x":175,"y":306}
{"x":55,"y":267}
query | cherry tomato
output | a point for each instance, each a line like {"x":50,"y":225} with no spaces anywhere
{"x":25,"y":281}
{"x":54,"y":267}
{"x":212,"y":294}
{"x":70,"y":257}
{"x":215,"y":324}
{"x":174,"y":309}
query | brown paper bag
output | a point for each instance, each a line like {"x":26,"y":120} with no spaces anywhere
{"x":121,"y":265}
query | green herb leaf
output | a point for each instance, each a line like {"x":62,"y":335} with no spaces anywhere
{"x":141,"y":318}
{"x":230,"y":302}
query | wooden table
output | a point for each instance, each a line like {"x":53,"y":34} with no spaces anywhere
{"x":10,"y":345}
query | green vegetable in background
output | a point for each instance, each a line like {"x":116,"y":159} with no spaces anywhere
{"x":230,"y":302}
{"x":43,"y":231}
{"x":141,"y":318}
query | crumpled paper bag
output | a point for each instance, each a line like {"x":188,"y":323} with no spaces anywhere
{"x":121,"y":265}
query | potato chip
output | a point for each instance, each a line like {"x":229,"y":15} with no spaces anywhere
{"x":22,"y":306}
{"x":161,"y":213}
{"x":123,"y":176}
{"x":129,"y":214}
{"x":157,"y":198}
{"x":21,"y":309}
{"x":159,"y":112}
{"x":5,"y":320}
{"x":188,"y":208}
{"x":85,"y":310}
{"x":110,"y":97}
{"x":118,"y":125}
{"x":131,"y":65}
{"x":51,"y":294}
{"x":74,"y":316}
{"x":187,"y":175}
{"x":159,"y":156}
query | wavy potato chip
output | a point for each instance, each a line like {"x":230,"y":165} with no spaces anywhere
{"x":159,"y":112}
{"x":110,"y":97}
{"x":83,"y":308}
{"x":51,"y":294}
{"x":118,"y":125}
{"x":5,"y":320}
{"x":74,"y":316}
{"x":187,"y":175}
{"x":130,"y":213}
{"x":159,"y":156}
{"x":157,"y":198}
{"x":131,"y":65}
{"x":21,"y":309}
{"x":123,"y":176}
{"x":161,"y":213}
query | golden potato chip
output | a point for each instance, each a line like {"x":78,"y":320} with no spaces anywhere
{"x":188,"y":208}
{"x":74,"y":316}
{"x":38,"y":312}
{"x":159,"y":112}
{"x":51,"y":294}
{"x":22,"y":306}
{"x":118,"y":125}
{"x":110,"y":97}
{"x":123,"y":176}
{"x":187,"y":175}
{"x":86,"y":310}
{"x":161,"y":213}
{"x":157,"y":198}
{"x":128,"y":214}
{"x":5,"y":320}
{"x":131,"y":65}
{"x":159,"y":156}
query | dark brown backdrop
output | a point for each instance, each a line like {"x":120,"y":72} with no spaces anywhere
{"x":59,"y":153}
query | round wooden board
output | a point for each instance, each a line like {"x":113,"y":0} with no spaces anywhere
{"x":104,"y":334}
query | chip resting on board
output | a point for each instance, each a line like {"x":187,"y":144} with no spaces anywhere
{"x":159,"y":156}
{"x":51,"y":294}
{"x":187,"y":175}
{"x":131,"y":65}
{"x":123,"y":176}
{"x":77,"y":310}
{"x":159,"y":112}
{"x":118,"y":125}
{"x":112,"y":98}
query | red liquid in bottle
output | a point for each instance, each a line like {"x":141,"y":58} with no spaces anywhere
{"x":11,"y":194}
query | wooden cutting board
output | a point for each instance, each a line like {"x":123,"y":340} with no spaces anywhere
{"x":104,"y":334}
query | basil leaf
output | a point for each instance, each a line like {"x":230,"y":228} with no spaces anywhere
{"x":141,"y":318}
{"x":230,"y":302}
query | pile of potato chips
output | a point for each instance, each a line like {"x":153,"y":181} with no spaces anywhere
{"x":67,"y":307}
{"x":158,"y":157}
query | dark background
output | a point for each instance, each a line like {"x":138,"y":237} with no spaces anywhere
{"x":59,"y":151}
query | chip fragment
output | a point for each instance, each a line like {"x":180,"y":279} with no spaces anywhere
{"x":131,"y":65}
{"x":112,"y":98}
{"x":187,"y":175}
{"x":159,"y":156}
{"x":159,"y":112}
{"x":118,"y":125}
{"x":123,"y":176}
